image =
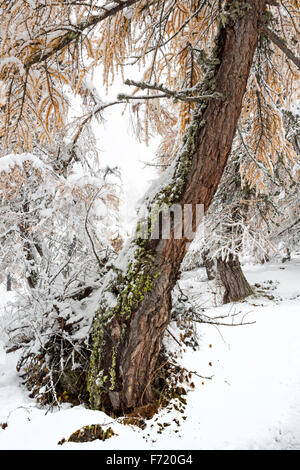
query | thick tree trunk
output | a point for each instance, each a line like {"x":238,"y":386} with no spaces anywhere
{"x":136,"y":302}
{"x":233,"y":279}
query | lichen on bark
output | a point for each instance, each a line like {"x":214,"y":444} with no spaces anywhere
{"x":130,"y":287}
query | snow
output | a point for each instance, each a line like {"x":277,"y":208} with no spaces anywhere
{"x":251,"y":402}
{"x":9,"y":161}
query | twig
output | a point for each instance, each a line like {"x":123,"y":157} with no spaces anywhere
{"x":57,"y":44}
{"x":89,"y":117}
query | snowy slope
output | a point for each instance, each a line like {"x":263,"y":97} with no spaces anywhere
{"x":252,"y":401}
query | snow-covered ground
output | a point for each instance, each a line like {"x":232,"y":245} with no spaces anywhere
{"x":252,"y":401}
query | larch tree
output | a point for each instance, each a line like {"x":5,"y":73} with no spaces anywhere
{"x":206,"y":65}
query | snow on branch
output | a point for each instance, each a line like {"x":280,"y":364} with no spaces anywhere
{"x":281,"y":43}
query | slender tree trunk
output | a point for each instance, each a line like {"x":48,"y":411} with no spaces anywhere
{"x":135,"y":306}
{"x":209,"y":265}
{"x":233,"y":279}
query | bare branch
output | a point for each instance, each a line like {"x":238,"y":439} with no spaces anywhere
{"x":273,"y":3}
{"x":87,"y":230}
{"x":287,"y":228}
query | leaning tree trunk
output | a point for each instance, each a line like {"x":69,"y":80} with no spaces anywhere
{"x":135,"y":305}
{"x":233,"y":280}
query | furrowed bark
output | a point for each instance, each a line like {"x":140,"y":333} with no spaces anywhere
{"x":127,"y":336}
